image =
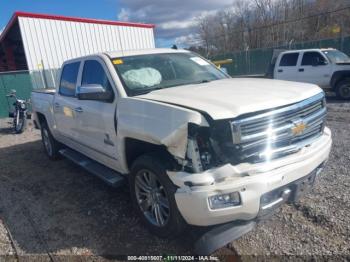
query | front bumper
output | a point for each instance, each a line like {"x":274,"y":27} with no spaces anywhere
{"x":251,"y":181}
{"x":220,"y":235}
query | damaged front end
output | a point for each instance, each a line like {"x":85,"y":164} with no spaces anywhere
{"x":200,"y":152}
{"x":206,"y":161}
{"x":231,"y":163}
{"x":255,"y":138}
{"x":207,"y":147}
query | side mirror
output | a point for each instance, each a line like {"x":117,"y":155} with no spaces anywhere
{"x":94,"y":92}
{"x":224,"y":69}
{"x":323,"y":62}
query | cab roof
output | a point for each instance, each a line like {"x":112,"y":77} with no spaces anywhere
{"x":116,"y":54}
{"x":308,"y":50}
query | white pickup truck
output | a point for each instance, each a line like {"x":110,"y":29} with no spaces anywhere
{"x":195,"y":146}
{"x":327,"y":68}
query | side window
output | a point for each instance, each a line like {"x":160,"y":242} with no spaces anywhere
{"x":69,"y":79}
{"x":289,"y":59}
{"x":94,"y":73}
{"x":312,"y":58}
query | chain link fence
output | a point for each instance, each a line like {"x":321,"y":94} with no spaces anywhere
{"x":256,"y":61}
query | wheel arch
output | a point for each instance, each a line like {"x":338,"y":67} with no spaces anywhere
{"x":39,"y":119}
{"x":339,"y":76}
{"x":134,"y":148}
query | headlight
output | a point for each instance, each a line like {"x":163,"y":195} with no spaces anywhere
{"x":23,"y":106}
{"x":224,"y":200}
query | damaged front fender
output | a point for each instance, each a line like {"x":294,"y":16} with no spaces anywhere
{"x":157,"y":123}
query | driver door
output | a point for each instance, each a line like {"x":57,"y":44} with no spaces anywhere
{"x":96,"y":121}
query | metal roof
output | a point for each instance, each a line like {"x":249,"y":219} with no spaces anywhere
{"x":70,"y":19}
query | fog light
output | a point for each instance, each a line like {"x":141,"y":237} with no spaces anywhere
{"x":224,"y":200}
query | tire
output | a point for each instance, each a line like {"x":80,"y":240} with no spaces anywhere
{"x":50,"y":144}
{"x":20,"y":126}
{"x":162,"y":194}
{"x":342,"y":89}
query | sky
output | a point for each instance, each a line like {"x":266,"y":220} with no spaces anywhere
{"x":174,"y":20}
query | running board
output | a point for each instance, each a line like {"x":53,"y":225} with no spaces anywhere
{"x":108,"y":175}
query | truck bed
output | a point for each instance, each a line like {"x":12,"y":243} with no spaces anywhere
{"x":42,"y":100}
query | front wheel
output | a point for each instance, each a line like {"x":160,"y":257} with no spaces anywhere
{"x":20,"y":122}
{"x":153,"y":195}
{"x":342,"y":89}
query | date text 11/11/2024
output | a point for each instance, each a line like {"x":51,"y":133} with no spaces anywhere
{"x":172,"y":258}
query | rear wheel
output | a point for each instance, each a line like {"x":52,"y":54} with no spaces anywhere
{"x":153,"y":195}
{"x":342,"y":89}
{"x":51,"y":146}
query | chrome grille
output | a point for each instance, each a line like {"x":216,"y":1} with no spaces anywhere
{"x":281,"y":131}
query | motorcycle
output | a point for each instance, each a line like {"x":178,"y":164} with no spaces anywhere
{"x":19,"y":114}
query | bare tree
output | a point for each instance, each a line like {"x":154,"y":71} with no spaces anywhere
{"x":269,"y":23}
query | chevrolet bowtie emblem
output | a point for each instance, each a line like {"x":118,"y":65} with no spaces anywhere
{"x":298,"y":128}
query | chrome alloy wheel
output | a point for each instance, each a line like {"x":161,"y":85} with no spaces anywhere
{"x":152,"y":198}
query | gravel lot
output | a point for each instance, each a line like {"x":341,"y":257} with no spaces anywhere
{"x":51,"y":210}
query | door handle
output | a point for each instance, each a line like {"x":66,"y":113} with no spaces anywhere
{"x":280,"y":70}
{"x":57,"y":105}
{"x":301,"y":69}
{"x":78,"y":109}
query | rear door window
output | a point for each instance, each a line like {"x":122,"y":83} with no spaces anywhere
{"x":69,"y":79}
{"x":290,"y":59}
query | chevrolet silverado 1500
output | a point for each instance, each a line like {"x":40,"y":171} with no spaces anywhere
{"x":195,"y":146}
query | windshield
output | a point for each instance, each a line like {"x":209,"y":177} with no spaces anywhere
{"x":336,"y":56}
{"x":144,"y":73}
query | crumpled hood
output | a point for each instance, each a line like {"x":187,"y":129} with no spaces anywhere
{"x":229,"y":98}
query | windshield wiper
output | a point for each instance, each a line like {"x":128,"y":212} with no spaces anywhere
{"x":143,"y":91}
{"x":201,"y":82}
